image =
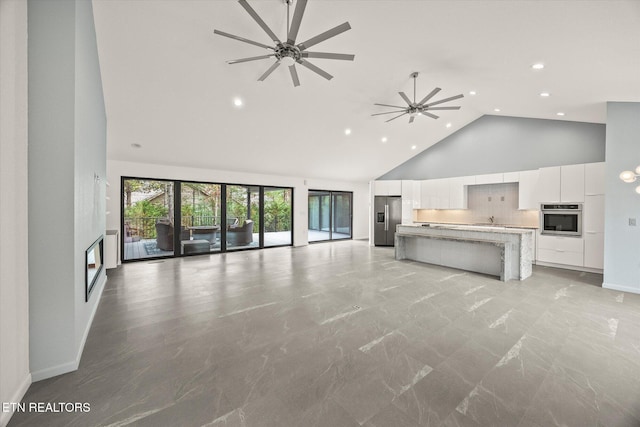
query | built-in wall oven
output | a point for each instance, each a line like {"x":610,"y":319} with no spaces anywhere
{"x":561,"y":219}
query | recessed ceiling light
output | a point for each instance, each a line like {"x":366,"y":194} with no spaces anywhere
{"x":384,"y":139}
{"x":347,"y":131}
{"x":413,"y":147}
{"x":545,"y":94}
{"x":538,"y":66}
{"x":135,"y":145}
{"x":472,"y":92}
{"x":560,"y":113}
{"x":448,"y":125}
{"x":237,"y":102}
{"x":497,"y":110}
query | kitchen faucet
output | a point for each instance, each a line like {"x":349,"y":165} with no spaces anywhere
{"x":491,"y":219}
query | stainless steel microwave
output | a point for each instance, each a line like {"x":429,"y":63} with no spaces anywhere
{"x":561,"y":219}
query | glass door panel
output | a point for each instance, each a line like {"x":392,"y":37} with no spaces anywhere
{"x":243,"y":214}
{"x":319,"y":216}
{"x":277,"y":216}
{"x":201,"y":208}
{"x":341,"y":216}
{"x":148,"y":218}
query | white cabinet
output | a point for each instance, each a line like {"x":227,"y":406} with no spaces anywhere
{"x":572,"y":183}
{"x":527,"y":190}
{"x":594,"y":250}
{"x":407,"y":202}
{"x":561,"y":250}
{"x":593,"y":179}
{"x":417,"y":194}
{"x":388,"y":188}
{"x":458,"y":191}
{"x":593,"y":231}
{"x":111,"y":249}
{"x":511,"y":177}
{"x":493,"y":178}
{"x":428,"y":194}
{"x":561,"y":184}
{"x":548,"y":188}
{"x":442,"y":193}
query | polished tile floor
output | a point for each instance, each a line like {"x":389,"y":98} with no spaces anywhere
{"x":339,"y":335}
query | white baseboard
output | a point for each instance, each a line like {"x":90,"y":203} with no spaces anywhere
{"x":569,"y":267}
{"x":613,"y":286}
{"x":17,"y":397}
{"x":71,"y":366}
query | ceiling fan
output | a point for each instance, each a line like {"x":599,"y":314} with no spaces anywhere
{"x":419,"y":108}
{"x":287,"y":52}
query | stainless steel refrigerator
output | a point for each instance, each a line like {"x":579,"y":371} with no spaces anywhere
{"x":387,"y":214}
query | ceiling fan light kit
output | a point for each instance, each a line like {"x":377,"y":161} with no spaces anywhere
{"x":288,"y":52}
{"x":421,"y":108}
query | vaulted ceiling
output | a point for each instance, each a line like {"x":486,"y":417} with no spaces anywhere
{"x":168,"y":88}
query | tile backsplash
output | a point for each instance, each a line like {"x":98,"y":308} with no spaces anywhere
{"x":485,"y":201}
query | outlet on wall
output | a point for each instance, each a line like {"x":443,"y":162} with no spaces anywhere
{"x":632,"y":222}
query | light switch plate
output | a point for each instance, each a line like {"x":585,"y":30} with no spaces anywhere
{"x":632,"y":222}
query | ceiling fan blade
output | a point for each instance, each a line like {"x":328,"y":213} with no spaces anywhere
{"x":444,"y":100}
{"x":294,"y":75}
{"x":242,"y":39}
{"x":396,"y":117}
{"x":387,"y":112}
{"x":442,"y":108}
{"x":259,"y":20}
{"x":269,"y":71}
{"x":433,"y":116}
{"x":295,"y":22}
{"x":324,"y":55}
{"x":405,"y":97}
{"x":324,"y":36}
{"x":315,"y":69}
{"x":411,"y":119}
{"x":253,"y":58}
{"x":431,"y":95}
{"x":392,"y":106}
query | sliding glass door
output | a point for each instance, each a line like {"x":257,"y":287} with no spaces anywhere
{"x":243,"y":217}
{"x":201,"y":216}
{"x":278,"y":218}
{"x":147,"y":218}
{"x":330,"y":214}
{"x":212,"y":217}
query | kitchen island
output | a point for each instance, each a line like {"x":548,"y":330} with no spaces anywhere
{"x":499,"y":251}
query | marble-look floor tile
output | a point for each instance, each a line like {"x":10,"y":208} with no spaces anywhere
{"x":341,"y":335}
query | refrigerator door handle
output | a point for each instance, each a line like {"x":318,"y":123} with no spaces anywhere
{"x":386,"y":217}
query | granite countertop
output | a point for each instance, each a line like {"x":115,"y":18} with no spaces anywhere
{"x":481,"y":228}
{"x":435,"y":224}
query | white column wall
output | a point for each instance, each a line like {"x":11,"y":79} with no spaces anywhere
{"x":14,"y":270}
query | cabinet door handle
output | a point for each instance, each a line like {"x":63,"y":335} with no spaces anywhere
{"x":591,"y":232}
{"x":559,"y":250}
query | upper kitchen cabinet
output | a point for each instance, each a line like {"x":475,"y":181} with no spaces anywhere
{"x":527,"y":190}
{"x":511,"y":177}
{"x":492,"y":178}
{"x":458,"y":191}
{"x":561,"y":184}
{"x":572,"y":183}
{"x":549,"y":185}
{"x":388,"y":188}
{"x":428,"y":194}
{"x":594,"y":179}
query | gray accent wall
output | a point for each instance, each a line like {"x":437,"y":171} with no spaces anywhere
{"x":67,"y":176}
{"x":622,"y":241}
{"x":494,"y":144}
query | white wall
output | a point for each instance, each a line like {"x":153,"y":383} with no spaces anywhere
{"x":117,"y":169}
{"x":67,"y":148}
{"x":14,"y":273}
{"x":622,"y":241}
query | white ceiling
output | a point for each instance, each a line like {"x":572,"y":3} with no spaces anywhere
{"x":168,"y":88}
